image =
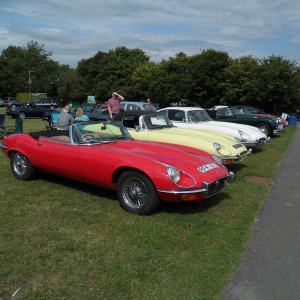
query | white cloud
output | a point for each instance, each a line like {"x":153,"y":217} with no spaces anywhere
{"x":75,"y":29}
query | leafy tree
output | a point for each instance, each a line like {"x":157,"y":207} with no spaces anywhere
{"x":180,"y":82}
{"x":241,"y":82}
{"x":150,"y":80}
{"x":70,"y":85}
{"x":17,"y":63}
{"x":106,"y":72}
{"x":12,"y":67}
{"x":207,"y":71}
{"x":279,"y":84}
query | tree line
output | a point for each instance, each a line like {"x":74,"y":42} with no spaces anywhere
{"x":208,"y":78}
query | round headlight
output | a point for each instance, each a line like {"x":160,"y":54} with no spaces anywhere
{"x":174,"y":174}
{"x":221,"y":150}
{"x":217,"y":146}
{"x":243,"y":135}
{"x":216,"y":158}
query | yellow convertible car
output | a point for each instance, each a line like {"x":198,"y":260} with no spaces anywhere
{"x":153,"y":126}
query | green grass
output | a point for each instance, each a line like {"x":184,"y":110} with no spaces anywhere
{"x":61,"y":239}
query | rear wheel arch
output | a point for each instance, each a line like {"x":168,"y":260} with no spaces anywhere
{"x":265,"y":128}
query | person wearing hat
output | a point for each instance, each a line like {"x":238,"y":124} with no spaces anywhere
{"x":114,"y":105}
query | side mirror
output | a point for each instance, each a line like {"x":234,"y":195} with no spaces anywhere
{"x":137,"y":128}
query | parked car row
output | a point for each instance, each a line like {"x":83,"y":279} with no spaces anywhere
{"x":37,"y":108}
{"x":100,"y":112}
{"x":147,"y":156}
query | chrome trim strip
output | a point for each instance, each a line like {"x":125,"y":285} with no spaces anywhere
{"x":183,"y":192}
{"x":277,"y":131}
{"x":231,"y":178}
{"x":2,"y":146}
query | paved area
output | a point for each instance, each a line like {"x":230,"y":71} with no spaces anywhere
{"x":270,"y":268}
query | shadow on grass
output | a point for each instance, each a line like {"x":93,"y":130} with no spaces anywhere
{"x":192,"y":207}
{"x":236,"y":167}
{"x":177,"y":207}
{"x":80,"y":186}
{"x":258,"y":150}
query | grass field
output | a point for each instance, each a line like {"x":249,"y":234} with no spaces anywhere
{"x":61,"y":239}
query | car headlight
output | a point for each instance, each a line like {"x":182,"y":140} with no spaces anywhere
{"x":243,"y":135}
{"x":221,"y":150}
{"x":217,"y":146}
{"x":174,"y":174}
{"x":216,"y":158}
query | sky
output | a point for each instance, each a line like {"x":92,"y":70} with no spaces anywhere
{"x":77,"y":29}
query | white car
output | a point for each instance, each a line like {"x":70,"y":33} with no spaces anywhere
{"x":197,"y":118}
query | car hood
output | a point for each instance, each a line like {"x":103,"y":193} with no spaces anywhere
{"x":191,"y":138}
{"x":184,"y":158}
{"x":251,"y":130}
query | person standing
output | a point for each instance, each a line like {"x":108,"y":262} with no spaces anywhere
{"x":114,"y":105}
{"x":65,"y":119}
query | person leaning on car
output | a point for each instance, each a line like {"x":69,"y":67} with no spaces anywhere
{"x":65,"y":119}
{"x":113,"y":104}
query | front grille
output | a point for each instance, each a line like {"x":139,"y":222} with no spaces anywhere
{"x":216,"y":187}
{"x":237,"y":146}
{"x":262,"y":141}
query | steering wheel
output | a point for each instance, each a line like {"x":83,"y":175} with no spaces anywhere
{"x":87,"y":137}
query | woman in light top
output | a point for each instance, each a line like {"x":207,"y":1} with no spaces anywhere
{"x":80,"y":116}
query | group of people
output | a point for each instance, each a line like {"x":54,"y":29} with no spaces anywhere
{"x":65,"y":119}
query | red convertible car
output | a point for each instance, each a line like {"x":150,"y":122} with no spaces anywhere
{"x":104,"y":154}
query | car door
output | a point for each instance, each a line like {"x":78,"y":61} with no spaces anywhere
{"x":56,"y":155}
{"x":224,"y":114}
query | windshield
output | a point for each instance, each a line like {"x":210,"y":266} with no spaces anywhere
{"x":198,"y":116}
{"x":150,"y":107}
{"x":240,"y":110}
{"x":99,"y":132}
{"x":156,"y":121}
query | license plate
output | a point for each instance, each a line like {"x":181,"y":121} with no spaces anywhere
{"x":208,"y":167}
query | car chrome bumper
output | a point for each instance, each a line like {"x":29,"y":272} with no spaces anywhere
{"x":206,"y":186}
{"x":2,"y":146}
{"x":257,"y":143}
{"x":277,"y":131}
{"x":229,"y":160}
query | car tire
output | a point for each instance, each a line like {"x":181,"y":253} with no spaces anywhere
{"x":21,"y":166}
{"x":136,"y":193}
{"x":21,"y":115}
{"x":265,"y":128}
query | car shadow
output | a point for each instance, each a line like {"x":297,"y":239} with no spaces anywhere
{"x":236,"y":167}
{"x":192,"y":207}
{"x":80,"y":186}
{"x":166,"y":207}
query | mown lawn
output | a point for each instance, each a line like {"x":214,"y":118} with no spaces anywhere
{"x":61,"y":239}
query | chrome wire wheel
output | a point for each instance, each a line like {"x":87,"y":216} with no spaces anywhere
{"x":264,"y":128}
{"x":134,"y":192}
{"x":20,"y":164}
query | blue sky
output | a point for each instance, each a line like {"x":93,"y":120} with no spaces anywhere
{"x":73,"y":29}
